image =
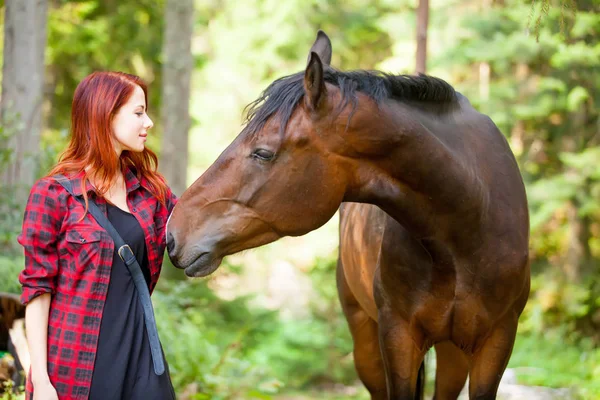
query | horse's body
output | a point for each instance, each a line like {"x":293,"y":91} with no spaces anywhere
{"x":439,"y":259}
{"x":453,"y":287}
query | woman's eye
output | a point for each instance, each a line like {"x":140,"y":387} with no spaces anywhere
{"x":262,"y":154}
{"x":139,"y":114}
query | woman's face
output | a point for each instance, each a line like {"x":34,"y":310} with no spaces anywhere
{"x":131,"y":124}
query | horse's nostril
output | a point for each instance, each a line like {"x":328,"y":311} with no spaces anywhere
{"x":170,"y":243}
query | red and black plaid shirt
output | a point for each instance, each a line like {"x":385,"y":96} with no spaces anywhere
{"x":72,"y":258}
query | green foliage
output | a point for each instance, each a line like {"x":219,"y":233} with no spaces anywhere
{"x":11,"y":266}
{"x":543,"y":8}
{"x":10,"y":211}
{"x":556,"y":304}
{"x":227,"y":348}
{"x":317,"y":349}
{"x":555,"y":301}
{"x":10,"y":396}
{"x":207,"y":342}
{"x":306,"y":352}
{"x":545,"y":360}
{"x":6,"y":387}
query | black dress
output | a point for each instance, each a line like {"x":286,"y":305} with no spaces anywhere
{"x":123,"y":369}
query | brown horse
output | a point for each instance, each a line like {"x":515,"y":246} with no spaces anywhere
{"x":445,"y":264}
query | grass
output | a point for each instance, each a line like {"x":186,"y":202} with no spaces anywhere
{"x":550,"y":361}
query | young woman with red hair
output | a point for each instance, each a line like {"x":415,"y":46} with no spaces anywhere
{"x":84,"y":319}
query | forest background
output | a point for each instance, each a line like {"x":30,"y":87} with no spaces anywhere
{"x":267,"y":324}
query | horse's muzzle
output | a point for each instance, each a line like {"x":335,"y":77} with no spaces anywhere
{"x":170,"y":244}
{"x":204,"y":265}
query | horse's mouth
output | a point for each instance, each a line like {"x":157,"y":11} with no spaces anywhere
{"x":204,"y":265}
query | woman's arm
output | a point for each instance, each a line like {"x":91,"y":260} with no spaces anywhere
{"x":41,"y":226}
{"x":36,"y":328}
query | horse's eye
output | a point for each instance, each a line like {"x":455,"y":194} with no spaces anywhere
{"x":262,"y":154}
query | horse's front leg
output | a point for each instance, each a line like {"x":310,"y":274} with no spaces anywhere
{"x":367,"y":356}
{"x":490,"y":359}
{"x":452,"y":369}
{"x":403,"y":350}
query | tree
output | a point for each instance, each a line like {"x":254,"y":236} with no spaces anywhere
{"x":177,"y":71}
{"x":22,"y":88}
{"x":422,"y":23}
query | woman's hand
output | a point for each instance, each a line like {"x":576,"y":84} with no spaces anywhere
{"x":43,"y":390}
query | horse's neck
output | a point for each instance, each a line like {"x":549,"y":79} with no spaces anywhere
{"x":421,"y":177}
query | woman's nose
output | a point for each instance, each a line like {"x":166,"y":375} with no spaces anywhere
{"x":149,"y":124}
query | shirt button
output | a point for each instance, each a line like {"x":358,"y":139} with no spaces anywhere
{"x":134,"y":209}
{"x":82,"y":240}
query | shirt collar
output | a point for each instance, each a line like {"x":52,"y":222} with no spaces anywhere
{"x":131,"y":180}
{"x":76,"y":184}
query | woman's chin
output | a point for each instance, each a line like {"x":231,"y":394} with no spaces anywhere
{"x":137,"y":149}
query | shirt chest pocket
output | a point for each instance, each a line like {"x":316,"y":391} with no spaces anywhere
{"x":84,"y":248}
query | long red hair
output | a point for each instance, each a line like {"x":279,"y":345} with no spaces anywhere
{"x":96,"y":101}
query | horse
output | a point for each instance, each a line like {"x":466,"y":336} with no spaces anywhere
{"x":434,"y":224}
{"x":13,"y":341}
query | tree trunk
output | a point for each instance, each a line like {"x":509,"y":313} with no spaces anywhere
{"x":22,"y":88}
{"x":484,"y":67}
{"x":578,"y":254}
{"x":177,"y":71}
{"x":518,"y":137}
{"x":578,"y":257}
{"x":422,"y":22}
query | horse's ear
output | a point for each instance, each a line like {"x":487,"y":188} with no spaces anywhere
{"x":321,"y":46}
{"x":314,"y":83}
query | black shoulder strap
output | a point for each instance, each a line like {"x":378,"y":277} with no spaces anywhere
{"x":124,"y":251}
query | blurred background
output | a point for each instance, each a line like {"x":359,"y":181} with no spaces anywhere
{"x":267,"y":324}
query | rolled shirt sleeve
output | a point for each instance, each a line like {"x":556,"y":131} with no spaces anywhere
{"x":41,"y":227}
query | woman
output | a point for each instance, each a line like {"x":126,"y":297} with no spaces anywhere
{"x":84,"y":319}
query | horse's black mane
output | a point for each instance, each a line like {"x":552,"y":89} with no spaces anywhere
{"x":283,"y":95}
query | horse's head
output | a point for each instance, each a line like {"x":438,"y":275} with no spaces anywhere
{"x":279,"y":177}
